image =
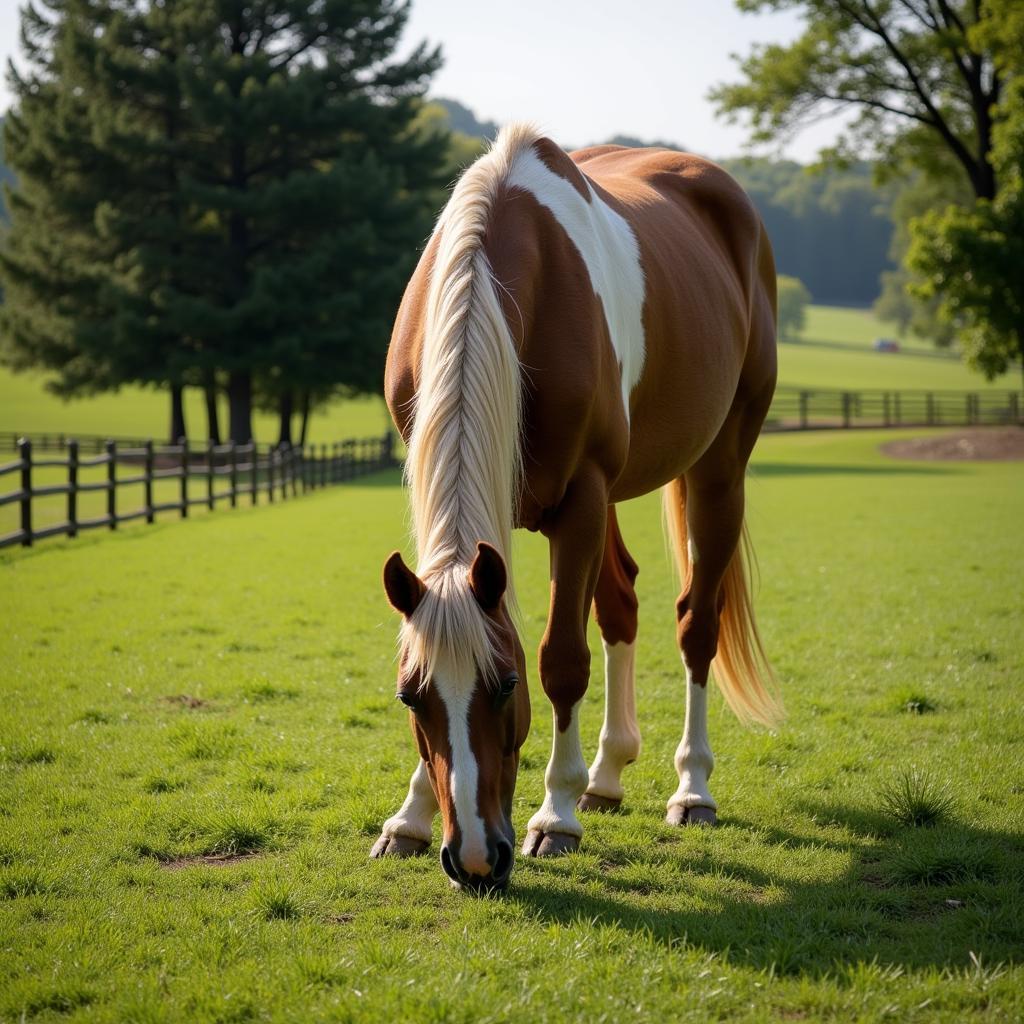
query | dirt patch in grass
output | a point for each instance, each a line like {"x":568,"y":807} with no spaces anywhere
{"x":212,"y":860}
{"x":998,"y":444}
{"x":186,"y":701}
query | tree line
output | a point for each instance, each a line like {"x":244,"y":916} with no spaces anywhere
{"x":215,"y":194}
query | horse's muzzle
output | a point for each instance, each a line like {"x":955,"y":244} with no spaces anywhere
{"x":500,"y":860}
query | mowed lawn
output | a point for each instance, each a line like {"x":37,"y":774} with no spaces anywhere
{"x":224,"y":689}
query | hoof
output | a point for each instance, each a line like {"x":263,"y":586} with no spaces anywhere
{"x":549,"y":844}
{"x":704,"y":816}
{"x":596,"y":802}
{"x":398,"y":846}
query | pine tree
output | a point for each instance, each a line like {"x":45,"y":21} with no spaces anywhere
{"x":309,"y":187}
{"x":212,"y":190}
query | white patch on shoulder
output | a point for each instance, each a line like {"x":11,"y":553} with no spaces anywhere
{"x":610,"y":252}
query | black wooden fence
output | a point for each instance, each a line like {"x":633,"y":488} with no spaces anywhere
{"x":825,"y":408}
{"x":206,"y":476}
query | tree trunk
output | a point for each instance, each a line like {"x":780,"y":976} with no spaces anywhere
{"x":285,"y":407}
{"x":177,"y":413}
{"x":212,"y":419}
{"x":306,"y":403}
{"x":240,"y":406}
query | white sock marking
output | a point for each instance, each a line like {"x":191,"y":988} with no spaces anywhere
{"x":415,"y":817}
{"x":620,"y":735}
{"x":564,"y":782}
{"x":694,"y":760}
{"x":610,"y":251}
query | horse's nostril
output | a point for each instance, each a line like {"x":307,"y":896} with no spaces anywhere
{"x":502,"y":862}
{"x":451,"y":869}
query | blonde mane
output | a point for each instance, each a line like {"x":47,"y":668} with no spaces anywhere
{"x":464,"y":461}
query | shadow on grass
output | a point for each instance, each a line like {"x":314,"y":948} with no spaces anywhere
{"x":771,"y":469}
{"x":916,"y":898}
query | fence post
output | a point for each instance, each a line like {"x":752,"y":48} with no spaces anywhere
{"x":270,"y":474}
{"x":255,"y":488}
{"x":803,"y":410}
{"x":885,"y":408}
{"x":183,"y":468}
{"x":25,"y":451}
{"x":323,"y":465}
{"x":929,"y":402}
{"x":72,"y":488}
{"x":209,"y":475}
{"x":846,"y":408}
{"x":111,"y":447}
{"x":233,"y":456}
{"x":1014,"y":414}
{"x":148,"y":484}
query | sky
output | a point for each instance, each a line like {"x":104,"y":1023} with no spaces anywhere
{"x":585,"y":70}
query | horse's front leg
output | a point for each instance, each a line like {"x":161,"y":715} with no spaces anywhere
{"x":576,"y":536}
{"x":408,"y":832}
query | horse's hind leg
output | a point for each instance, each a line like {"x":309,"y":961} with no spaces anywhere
{"x":706,"y":514}
{"x":408,"y":832}
{"x":615,"y":608}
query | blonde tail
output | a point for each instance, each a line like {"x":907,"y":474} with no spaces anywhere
{"x":741,"y":666}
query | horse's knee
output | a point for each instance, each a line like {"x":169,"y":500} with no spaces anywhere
{"x":564,"y":674}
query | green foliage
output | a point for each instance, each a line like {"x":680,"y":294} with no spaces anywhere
{"x":970,"y":258}
{"x":793,"y":300}
{"x":807,"y":903}
{"x":211,"y":193}
{"x":917,"y":78}
{"x":900,"y":300}
{"x":830,"y":228}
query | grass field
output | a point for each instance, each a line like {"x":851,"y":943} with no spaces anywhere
{"x":835,"y":353}
{"x":225,"y":687}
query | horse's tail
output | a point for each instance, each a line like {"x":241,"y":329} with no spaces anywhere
{"x":741,"y":666}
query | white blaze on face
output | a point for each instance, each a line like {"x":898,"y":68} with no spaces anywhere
{"x":610,"y":251}
{"x":456,"y":695}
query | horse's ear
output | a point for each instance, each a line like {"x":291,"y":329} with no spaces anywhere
{"x":488,"y":577}
{"x":404,"y":588}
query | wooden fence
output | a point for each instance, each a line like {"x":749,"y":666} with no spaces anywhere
{"x":826,"y":408}
{"x":207,"y":476}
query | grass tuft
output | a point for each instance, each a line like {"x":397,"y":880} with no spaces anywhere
{"x":917,"y":798}
{"x":917,"y":704}
{"x":19,"y":882}
{"x":95,"y":717}
{"x":274,"y":901}
{"x":33,"y":753}
{"x":945,"y":864}
{"x":259,"y":693}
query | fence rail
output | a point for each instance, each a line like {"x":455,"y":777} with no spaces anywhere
{"x":207,"y":475}
{"x":828,"y":408}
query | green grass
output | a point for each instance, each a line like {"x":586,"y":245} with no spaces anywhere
{"x":199,"y":742}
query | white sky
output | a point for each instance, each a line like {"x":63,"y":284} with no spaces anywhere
{"x":584,"y":69}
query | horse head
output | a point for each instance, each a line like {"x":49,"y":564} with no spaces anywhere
{"x":462,"y":675}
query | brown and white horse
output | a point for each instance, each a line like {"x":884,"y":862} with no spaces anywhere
{"x":581,"y":329}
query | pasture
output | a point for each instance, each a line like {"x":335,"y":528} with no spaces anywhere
{"x":199,"y":742}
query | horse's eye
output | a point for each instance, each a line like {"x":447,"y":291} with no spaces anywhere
{"x":508,"y":684}
{"x":408,"y":700}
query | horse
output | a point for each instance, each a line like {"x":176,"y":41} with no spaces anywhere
{"x":580,"y":329}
